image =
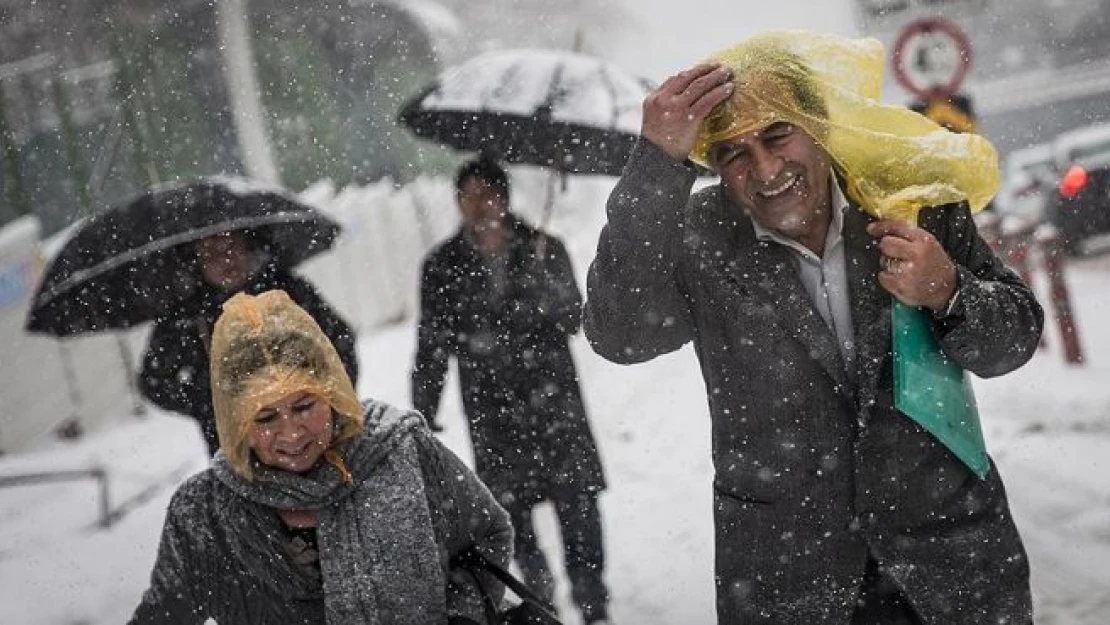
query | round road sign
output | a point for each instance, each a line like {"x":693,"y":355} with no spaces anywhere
{"x":931,"y":57}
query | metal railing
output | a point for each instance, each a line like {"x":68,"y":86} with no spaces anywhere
{"x":107,"y":514}
{"x":97,"y":474}
{"x":1038,"y":245}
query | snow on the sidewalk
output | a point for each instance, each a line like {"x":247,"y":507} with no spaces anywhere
{"x":57,"y":566}
{"x":1048,"y":428}
{"x":1047,"y":425}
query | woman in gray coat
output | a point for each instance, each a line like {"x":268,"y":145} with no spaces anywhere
{"x":317,"y":509}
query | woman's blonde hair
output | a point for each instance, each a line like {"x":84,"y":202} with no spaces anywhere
{"x":264,"y":348}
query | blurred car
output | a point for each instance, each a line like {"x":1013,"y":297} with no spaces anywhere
{"x":1080,"y":206}
{"x":1028,"y":186}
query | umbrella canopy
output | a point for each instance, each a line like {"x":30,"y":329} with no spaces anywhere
{"x":558,"y":109}
{"x":132,"y":263}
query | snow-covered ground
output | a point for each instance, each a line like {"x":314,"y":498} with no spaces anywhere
{"x":1047,"y":425}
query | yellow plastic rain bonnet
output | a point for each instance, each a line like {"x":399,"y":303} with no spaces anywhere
{"x":893,"y":160}
{"x":264,"y":348}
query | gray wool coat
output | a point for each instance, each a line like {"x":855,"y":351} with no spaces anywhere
{"x":226,"y":557}
{"x":815,"y":469}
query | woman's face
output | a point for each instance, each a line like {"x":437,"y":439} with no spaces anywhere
{"x":293,"y":432}
{"x":225,"y":259}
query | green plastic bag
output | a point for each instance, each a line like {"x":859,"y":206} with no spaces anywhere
{"x":933,"y":390}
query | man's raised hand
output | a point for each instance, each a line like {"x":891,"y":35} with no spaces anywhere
{"x":675,"y":110}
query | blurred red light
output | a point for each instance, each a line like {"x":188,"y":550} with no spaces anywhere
{"x":1073,"y":182}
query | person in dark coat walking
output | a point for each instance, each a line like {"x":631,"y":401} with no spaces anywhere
{"x":501,"y":298}
{"x":174,"y":374}
{"x":318,"y":509}
{"x":830,"y":506}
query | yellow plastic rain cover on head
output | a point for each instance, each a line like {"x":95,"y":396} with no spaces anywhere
{"x":894,"y":161}
{"x":264,"y":348}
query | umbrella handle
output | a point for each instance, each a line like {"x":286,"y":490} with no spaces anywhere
{"x":203,"y":332}
{"x":69,"y":375}
{"x":137,"y":406}
{"x":553,"y":177}
{"x":541,"y":249}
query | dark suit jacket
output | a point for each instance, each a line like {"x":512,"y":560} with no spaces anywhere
{"x":815,"y":469}
{"x":520,"y":390}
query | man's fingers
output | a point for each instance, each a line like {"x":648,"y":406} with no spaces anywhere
{"x":892,"y":264}
{"x":703,"y":85}
{"x":681,"y":81}
{"x":897,"y":247}
{"x":887,"y":227}
{"x":669,"y":122}
{"x":701,"y":107}
{"x":891,"y":284}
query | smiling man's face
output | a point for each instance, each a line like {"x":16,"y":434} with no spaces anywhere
{"x":781,"y":176}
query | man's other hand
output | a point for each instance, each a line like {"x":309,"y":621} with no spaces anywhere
{"x":915,"y":268}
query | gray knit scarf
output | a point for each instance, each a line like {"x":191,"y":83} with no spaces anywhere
{"x":378,"y":553}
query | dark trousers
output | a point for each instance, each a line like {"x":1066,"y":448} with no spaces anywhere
{"x":881,"y":602}
{"x":583,"y":552}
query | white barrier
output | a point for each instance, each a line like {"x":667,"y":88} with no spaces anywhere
{"x":26,"y":367}
{"x":371,"y":272}
{"x":48,"y":382}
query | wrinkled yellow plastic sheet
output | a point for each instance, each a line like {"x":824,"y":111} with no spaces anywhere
{"x":264,"y":348}
{"x":894,"y":161}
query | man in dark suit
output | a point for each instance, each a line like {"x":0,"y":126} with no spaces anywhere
{"x":501,"y":298}
{"x":830,"y":506}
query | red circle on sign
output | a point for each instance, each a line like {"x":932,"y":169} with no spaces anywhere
{"x":925,"y":26}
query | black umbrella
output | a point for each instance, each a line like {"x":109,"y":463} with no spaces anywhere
{"x":130,"y":264}
{"x":569,"y":111}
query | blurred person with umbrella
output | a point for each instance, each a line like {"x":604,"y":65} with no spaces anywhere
{"x":173,"y":255}
{"x":488,"y":299}
{"x":852,"y":485}
{"x":567,"y":111}
{"x":501,"y":297}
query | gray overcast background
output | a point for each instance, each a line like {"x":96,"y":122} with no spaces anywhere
{"x":665,"y":36}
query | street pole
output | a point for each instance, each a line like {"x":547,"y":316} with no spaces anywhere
{"x":69,"y":138}
{"x":127,"y":96}
{"x":1052,"y":247}
{"x":242,"y":87}
{"x":13,"y":176}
